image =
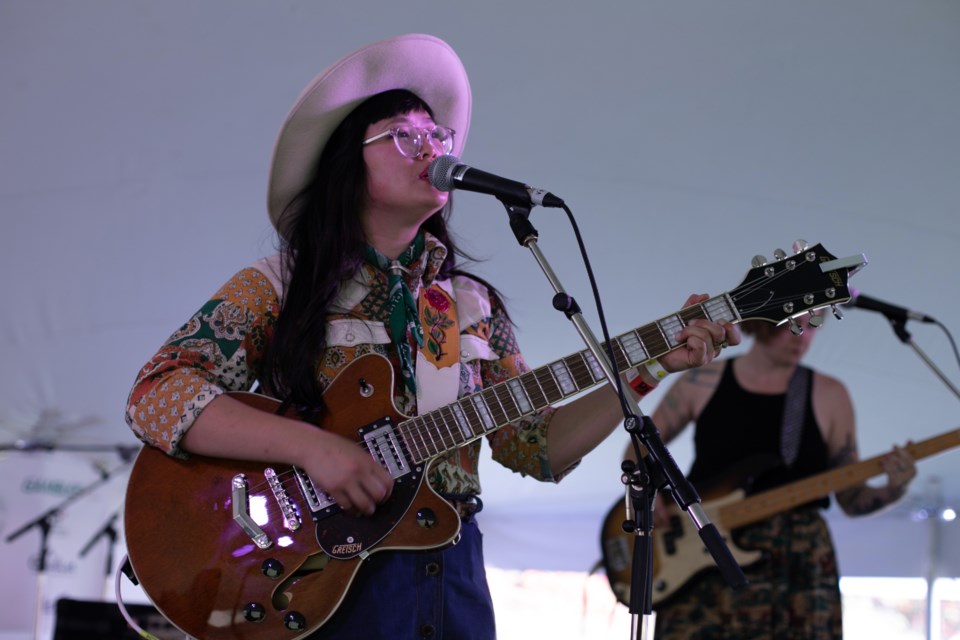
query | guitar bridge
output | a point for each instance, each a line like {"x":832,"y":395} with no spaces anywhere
{"x":241,"y":513}
{"x":291,"y":519}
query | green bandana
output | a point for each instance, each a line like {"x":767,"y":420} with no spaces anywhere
{"x":404,"y":316}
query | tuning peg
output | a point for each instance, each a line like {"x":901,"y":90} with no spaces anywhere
{"x":758,"y":261}
{"x":836,"y":312}
{"x":779,"y":254}
{"x":799,"y":245}
{"x":795,"y":327}
{"x":816,"y":320}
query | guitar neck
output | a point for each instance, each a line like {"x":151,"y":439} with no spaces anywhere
{"x":768,"y":503}
{"x":471,"y":417}
{"x":774,"y":292}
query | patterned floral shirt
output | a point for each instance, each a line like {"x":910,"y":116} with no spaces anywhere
{"x":221,"y":349}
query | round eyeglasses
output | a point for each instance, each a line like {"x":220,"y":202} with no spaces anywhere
{"x":409,"y":138}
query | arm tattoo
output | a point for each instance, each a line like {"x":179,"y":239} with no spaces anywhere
{"x":701,"y":378}
{"x":845,"y":455}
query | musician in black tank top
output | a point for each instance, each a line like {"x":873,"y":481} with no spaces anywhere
{"x":764,"y":421}
{"x":754,"y":455}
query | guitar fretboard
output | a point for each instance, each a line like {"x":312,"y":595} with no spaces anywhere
{"x":773,"y":501}
{"x":473,"y":416}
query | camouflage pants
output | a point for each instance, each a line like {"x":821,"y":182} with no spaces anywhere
{"x":794,"y":591}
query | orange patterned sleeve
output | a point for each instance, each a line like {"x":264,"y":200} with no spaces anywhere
{"x":522,"y":446}
{"x":219,"y":349}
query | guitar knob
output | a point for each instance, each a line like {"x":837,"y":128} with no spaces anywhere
{"x":799,"y":246}
{"x":294,"y":621}
{"x":426,"y":518}
{"x":836,"y":312}
{"x":271,"y":568}
{"x":779,"y":254}
{"x":758,"y":261}
{"x":795,"y":328}
{"x":366,"y":389}
{"x":254,"y":612}
{"x":816,"y":320}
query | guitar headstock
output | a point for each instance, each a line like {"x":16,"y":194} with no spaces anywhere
{"x":789,"y":286}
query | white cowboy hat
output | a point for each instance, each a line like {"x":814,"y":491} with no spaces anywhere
{"x":422,"y":64}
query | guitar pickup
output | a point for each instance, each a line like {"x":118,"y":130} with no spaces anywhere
{"x":317,"y":499}
{"x":384,"y":446}
{"x":670,"y":536}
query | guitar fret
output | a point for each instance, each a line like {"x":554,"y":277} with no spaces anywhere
{"x":534,"y":391}
{"x":456,"y":410}
{"x":654,"y":339}
{"x":634,"y":350}
{"x":616,"y":352}
{"x":564,"y":380}
{"x":549,"y":384}
{"x":439,"y":421}
{"x":480,"y":406}
{"x":452,"y":437}
{"x":594,"y":368}
{"x":581,"y":372}
{"x":470,"y":414}
{"x":412,"y":444}
{"x":691,"y":313}
{"x":519,"y":395}
{"x":719,"y":309}
{"x":669,"y":328}
{"x":511,"y":408}
{"x":498,"y":411}
{"x":431,"y":441}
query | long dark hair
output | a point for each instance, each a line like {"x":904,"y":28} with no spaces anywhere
{"x":323,"y":245}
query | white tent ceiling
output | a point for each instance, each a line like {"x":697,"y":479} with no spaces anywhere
{"x":686,"y":137}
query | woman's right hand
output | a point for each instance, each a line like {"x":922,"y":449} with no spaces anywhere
{"x":347,"y":472}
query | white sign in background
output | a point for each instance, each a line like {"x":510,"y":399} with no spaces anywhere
{"x":36,"y":483}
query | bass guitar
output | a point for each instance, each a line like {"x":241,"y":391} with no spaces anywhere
{"x":678,"y":554}
{"x":234,"y":550}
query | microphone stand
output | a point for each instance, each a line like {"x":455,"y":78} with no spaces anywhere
{"x":125,"y":452}
{"x":108,"y":531}
{"x":652,"y":471}
{"x":44,"y":523}
{"x":899,"y":326}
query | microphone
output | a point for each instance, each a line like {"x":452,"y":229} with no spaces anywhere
{"x":447,"y":174}
{"x":892,"y":311}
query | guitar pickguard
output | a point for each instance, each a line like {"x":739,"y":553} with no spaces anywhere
{"x":342,"y":536}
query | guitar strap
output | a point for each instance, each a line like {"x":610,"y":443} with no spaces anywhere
{"x":794,"y":414}
{"x":438,"y":360}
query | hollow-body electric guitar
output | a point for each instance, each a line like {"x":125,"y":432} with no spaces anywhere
{"x":678,"y":553}
{"x":236,"y":550}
